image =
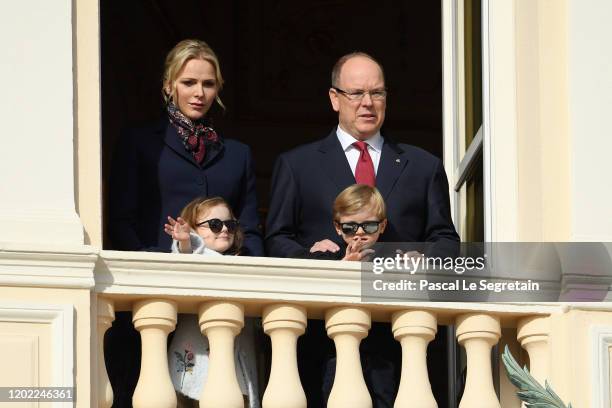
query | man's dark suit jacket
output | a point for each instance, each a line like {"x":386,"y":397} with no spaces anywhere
{"x":306,"y":181}
{"x":153,"y":177}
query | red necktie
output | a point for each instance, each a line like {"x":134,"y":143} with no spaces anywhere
{"x":364,"y":172}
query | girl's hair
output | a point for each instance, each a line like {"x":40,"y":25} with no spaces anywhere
{"x":202,"y":205}
{"x":177,"y":58}
{"x":357,"y":197}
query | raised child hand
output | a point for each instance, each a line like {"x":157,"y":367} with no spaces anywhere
{"x":178,"y":229}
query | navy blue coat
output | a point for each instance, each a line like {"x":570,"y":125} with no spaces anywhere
{"x":306,"y":181}
{"x":153,"y":177}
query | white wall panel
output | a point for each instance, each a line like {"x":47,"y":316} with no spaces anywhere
{"x":36,"y":112}
{"x":36,"y":342}
{"x":590,"y":112}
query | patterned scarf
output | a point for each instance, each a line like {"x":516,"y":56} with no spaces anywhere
{"x":195,"y":135}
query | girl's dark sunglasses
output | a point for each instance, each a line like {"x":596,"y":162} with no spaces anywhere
{"x":216,"y":225}
{"x":350,"y":228}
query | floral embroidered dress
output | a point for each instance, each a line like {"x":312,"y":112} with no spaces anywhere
{"x":189,"y":350}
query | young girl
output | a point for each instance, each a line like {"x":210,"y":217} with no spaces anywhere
{"x":208,"y":227}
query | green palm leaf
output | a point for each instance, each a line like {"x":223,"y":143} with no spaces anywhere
{"x":530,"y":391}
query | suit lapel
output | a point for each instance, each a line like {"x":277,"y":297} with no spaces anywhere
{"x":391,"y":165}
{"x":173,"y":141}
{"x":334,"y":162}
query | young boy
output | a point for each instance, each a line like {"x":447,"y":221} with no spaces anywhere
{"x":359,"y":218}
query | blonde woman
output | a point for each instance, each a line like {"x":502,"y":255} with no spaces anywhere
{"x":159,"y":168}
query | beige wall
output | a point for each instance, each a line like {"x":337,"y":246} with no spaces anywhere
{"x":590,"y":104}
{"x":87,"y":139}
{"x":564,"y":83}
{"x":50,"y":143}
{"x":36,"y":143}
{"x":573,"y":355}
{"x":40,"y":343}
{"x":543,"y":138}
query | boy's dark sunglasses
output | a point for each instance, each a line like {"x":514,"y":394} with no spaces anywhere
{"x":216,"y":225}
{"x":350,"y":228}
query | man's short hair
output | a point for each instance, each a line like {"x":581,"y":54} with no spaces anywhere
{"x":357,"y":197}
{"x":335,"y":76}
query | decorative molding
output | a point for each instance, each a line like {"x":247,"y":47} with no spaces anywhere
{"x":268,"y":279}
{"x":271,"y":279}
{"x":60,"y":318}
{"x":600,"y":358}
{"x":51,"y":266}
{"x":590,"y":306}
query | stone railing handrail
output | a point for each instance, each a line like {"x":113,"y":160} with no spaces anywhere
{"x":258,"y":279}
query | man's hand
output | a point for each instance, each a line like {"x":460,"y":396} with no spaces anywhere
{"x":179,"y":230}
{"x":326,"y":245}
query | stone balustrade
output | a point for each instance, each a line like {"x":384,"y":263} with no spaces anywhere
{"x":285,"y":294}
{"x":221,"y":321}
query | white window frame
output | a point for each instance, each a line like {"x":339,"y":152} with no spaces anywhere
{"x":497,"y":138}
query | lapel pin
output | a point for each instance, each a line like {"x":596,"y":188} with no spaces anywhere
{"x":397,"y":160}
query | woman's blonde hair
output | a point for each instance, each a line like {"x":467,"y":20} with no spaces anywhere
{"x":357,"y":197}
{"x":176,"y":59}
{"x":202,"y":205}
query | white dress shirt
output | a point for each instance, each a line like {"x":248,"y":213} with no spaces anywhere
{"x":375,"y":144}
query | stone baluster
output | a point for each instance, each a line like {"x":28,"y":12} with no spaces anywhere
{"x":284,"y":323}
{"x":106,"y":315}
{"x":154,"y":319}
{"x":414,"y":330}
{"x":478,"y":333}
{"x":532,"y":333}
{"x":347,"y":326}
{"x":221,"y":321}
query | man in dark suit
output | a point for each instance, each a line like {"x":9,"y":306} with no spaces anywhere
{"x":307,"y":179}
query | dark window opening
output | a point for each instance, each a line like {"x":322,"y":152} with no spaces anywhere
{"x":276,"y":59}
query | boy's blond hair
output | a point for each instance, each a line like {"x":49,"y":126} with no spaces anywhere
{"x":357,"y":197}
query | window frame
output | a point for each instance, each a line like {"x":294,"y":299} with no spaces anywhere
{"x":498,"y":140}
